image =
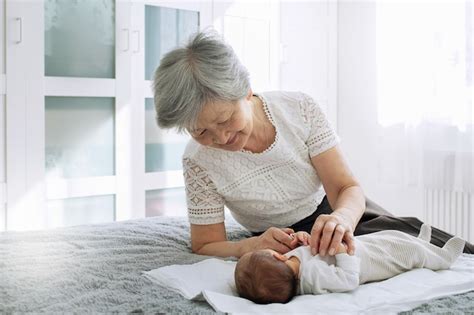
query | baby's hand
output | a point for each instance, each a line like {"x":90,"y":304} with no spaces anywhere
{"x":300,"y":238}
{"x":342,"y":249}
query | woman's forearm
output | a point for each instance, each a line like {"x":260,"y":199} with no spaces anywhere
{"x":227,"y":248}
{"x":351,"y":204}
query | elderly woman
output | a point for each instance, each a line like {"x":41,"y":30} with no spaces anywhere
{"x":272,"y":158}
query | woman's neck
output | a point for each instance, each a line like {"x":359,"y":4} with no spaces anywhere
{"x":263,"y":132}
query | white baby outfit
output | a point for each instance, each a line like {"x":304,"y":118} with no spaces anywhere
{"x":378,"y":256}
{"x":277,"y":187}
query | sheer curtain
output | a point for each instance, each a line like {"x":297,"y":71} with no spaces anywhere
{"x":424,"y":98}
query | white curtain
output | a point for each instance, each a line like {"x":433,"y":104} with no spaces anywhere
{"x":424,"y":99}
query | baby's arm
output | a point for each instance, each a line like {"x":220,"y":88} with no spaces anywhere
{"x":320,"y":277}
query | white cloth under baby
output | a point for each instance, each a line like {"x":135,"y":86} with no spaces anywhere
{"x":191,"y":280}
{"x":214,"y":279}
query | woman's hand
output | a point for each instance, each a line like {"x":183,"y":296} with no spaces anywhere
{"x":329,"y":231}
{"x":274,"y":238}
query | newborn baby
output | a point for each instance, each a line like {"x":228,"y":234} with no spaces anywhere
{"x":266,"y":276}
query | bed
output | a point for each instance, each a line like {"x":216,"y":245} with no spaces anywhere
{"x":98,"y":268}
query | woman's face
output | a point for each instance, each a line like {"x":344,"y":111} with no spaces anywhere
{"x":225,"y":126}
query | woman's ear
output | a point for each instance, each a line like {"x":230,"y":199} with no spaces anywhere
{"x":280,"y":257}
{"x":249,"y":95}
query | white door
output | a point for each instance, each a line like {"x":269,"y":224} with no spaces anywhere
{"x":3,"y":213}
{"x":61,"y":118}
{"x":24,"y":115}
{"x":82,"y":145}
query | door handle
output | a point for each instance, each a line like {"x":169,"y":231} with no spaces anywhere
{"x":20,"y":23}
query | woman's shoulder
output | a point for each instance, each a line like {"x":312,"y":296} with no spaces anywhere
{"x":289,"y":106}
{"x":287,"y":102}
{"x":196,"y":154}
{"x":284,"y":97}
{"x":192,"y":149}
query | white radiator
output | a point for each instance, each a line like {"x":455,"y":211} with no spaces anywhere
{"x":448,"y":192}
{"x":451,"y":211}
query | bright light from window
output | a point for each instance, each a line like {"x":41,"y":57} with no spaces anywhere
{"x":424,"y":53}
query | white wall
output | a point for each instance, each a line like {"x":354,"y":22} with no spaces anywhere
{"x":286,"y":45}
{"x":356,"y":82}
{"x":304,"y":35}
{"x":377,"y":163}
{"x":252,"y":29}
{"x":357,"y":107}
{"x":308,"y":45}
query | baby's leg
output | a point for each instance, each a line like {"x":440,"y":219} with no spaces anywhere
{"x":439,"y":258}
{"x":454,"y":246}
{"x":425,"y":232}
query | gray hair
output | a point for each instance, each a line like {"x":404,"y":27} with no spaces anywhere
{"x":205,"y":70}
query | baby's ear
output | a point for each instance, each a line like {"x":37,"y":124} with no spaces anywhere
{"x":280,"y":257}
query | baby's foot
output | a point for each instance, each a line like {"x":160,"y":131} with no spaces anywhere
{"x":454,"y":246}
{"x":425,"y":232}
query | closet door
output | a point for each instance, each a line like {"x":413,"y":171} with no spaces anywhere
{"x":64,"y":90}
{"x":81,"y":79}
{"x":3,"y":177}
{"x":25,"y":115}
{"x":160,"y":26}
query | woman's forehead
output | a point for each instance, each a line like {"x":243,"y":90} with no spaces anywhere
{"x":213,"y":111}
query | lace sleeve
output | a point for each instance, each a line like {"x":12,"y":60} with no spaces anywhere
{"x":205,"y":204}
{"x":322,"y":136}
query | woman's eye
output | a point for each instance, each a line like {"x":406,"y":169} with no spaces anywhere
{"x":225,"y":121}
{"x":198,"y":133}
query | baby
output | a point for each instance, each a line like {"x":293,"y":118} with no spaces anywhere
{"x":266,"y":276}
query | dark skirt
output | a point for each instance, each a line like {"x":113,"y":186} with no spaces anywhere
{"x":375,"y":218}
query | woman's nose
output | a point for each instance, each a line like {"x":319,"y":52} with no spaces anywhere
{"x":220,"y":137}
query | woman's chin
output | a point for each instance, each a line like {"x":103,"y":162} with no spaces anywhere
{"x":233,"y":147}
{"x":236,"y":146}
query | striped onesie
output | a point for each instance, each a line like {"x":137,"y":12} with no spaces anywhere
{"x":378,"y":256}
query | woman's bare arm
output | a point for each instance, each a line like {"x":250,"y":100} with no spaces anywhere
{"x":346,"y":199}
{"x":211,"y":240}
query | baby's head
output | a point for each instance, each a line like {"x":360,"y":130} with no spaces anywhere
{"x":262,"y":278}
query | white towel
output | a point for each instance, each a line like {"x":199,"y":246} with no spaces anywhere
{"x":214,"y":279}
{"x":191,"y":280}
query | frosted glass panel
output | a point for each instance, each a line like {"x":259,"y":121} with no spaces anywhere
{"x":169,"y":202}
{"x":165,"y":29}
{"x":80,"y":38}
{"x":163,"y":148}
{"x":3,"y":218}
{"x":77,"y":211}
{"x":79,"y":137}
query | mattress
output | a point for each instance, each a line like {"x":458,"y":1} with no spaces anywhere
{"x":98,"y":268}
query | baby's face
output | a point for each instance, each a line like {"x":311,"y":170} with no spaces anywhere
{"x":294,"y":265}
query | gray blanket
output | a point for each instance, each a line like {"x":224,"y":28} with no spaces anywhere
{"x":97,"y":268}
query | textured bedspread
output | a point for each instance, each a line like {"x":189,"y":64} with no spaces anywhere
{"x":98,"y":269}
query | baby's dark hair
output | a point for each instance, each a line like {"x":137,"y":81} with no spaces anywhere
{"x":264,"y":279}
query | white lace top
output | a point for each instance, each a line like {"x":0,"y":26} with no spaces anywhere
{"x":277,"y":187}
